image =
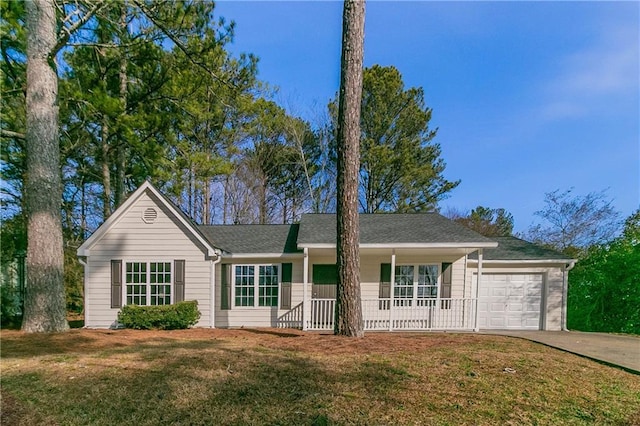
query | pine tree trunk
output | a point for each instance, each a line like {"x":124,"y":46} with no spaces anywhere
{"x":348,"y":304}
{"x":106,"y":169}
{"x":225,"y":200}
{"x":206,"y":210}
{"x":122,"y":146}
{"x":44,"y":304}
{"x":262,"y":201}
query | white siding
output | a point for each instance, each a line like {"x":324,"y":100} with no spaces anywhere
{"x":132,"y":240}
{"x":276,"y":317}
{"x":261,"y":316}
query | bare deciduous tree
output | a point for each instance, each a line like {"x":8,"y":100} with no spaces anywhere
{"x":571,"y":223}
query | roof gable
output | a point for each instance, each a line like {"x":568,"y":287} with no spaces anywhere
{"x":176,"y":214}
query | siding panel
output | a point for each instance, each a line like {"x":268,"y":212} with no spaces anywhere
{"x":131,"y":239}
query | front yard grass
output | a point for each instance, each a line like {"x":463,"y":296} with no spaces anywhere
{"x":91,"y":377}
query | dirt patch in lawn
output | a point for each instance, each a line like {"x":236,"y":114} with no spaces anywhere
{"x":282,"y":376}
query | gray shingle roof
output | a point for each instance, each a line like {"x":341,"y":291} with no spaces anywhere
{"x":419,"y":228}
{"x":252,"y":238}
{"x":512,"y":248}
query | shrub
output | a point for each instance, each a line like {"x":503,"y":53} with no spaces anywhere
{"x":164,"y":317}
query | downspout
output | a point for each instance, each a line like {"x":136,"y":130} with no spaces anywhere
{"x":565,"y":292}
{"x":212,"y":300}
{"x":478,"y":281}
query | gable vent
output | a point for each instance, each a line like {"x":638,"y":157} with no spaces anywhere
{"x":149,"y":215}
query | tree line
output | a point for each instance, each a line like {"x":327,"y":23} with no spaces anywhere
{"x":150,"y":91}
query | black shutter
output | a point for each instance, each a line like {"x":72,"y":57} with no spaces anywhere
{"x":285,"y":286}
{"x":385,"y":281}
{"x":225,"y":287}
{"x":445,"y":285}
{"x":116,"y":283}
{"x":178,"y":281}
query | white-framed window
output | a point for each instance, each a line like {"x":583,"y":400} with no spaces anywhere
{"x":244,"y":285}
{"x":148,"y":283}
{"x":252,"y":280}
{"x":416,"y":285}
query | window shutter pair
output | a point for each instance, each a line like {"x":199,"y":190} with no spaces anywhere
{"x":285,"y":286}
{"x":116,"y":282}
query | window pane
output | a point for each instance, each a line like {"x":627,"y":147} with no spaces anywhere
{"x":136,"y":294}
{"x":134,"y":273}
{"x":159,"y":273}
{"x":160,"y":294}
{"x":268,"y":285}
{"x":427,"y":281}
{"x":403,"y":288}
{"x":244,"y":282}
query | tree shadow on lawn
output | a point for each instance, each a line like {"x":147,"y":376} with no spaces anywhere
{"x":201,"y":382}
{"x":20,"y":345}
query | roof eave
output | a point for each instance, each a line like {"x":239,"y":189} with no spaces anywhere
{"x":262,"y":255}
{"x":513,"y":261}
{"x":468,"y":245}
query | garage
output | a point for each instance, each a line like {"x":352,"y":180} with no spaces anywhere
{"x":510,"y":301}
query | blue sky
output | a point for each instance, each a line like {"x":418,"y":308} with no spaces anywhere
{"x":528,"y":97}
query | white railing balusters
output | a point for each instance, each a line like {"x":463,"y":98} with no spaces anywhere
{"x":416,"y":314}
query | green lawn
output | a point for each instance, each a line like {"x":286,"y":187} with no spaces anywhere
{"x":288,"y":377}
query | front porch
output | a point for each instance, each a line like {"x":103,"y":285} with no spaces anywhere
{"x":382,"y":315}
{"x":426,"y":288}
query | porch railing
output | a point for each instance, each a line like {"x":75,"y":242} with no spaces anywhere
{"x":401,"y":314}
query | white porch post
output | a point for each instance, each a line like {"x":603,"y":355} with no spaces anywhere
{"x":392,"y":290}
{"x":478,"y":281}
{"x":305,"y":280}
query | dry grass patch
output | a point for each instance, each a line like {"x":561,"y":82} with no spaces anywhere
{"x":288,"y":377}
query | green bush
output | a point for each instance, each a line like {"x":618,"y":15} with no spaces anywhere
{"x":165,"y":317}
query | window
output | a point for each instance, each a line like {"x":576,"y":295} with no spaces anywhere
{"x":404,"y":282}
{"x":250,"y":280}
{"x":427,"y":281}
{"x":424,"y":278}
{"x":245,"y":285}
{"x":148,"y":283}
{"x":268,"y":286}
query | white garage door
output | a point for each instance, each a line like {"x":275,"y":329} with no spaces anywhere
{"x":510,"y":301}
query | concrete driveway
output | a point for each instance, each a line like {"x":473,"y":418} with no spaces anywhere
{"x":621,"y":351}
